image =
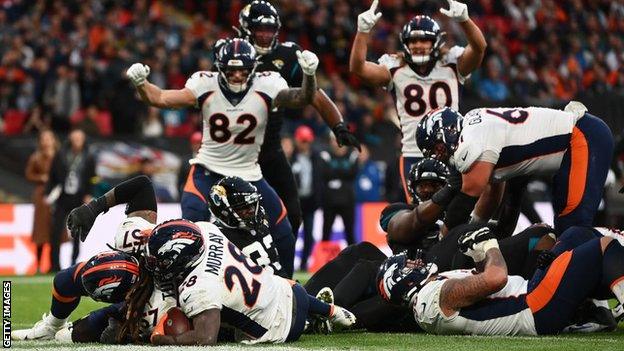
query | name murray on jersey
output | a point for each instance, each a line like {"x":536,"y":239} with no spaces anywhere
{"x":215,"y":254}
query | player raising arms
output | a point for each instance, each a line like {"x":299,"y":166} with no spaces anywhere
{"x":422,"y":76}
{"x":260,"y":25}
{"x":235,"y":105}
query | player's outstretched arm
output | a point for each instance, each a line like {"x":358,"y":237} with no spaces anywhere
{"x":137,"y":193}
{"x":205,"y":331}
{"x":458,"y":293}
{"x":300,"y":97}
{"x":371,"y":73}
{"x":153,"y":95}
{"x":333,"y":118}
{"x":473,"y":55}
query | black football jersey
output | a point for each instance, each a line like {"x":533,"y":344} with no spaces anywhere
{"x":259,"y":248}
{"x":282,"y":59}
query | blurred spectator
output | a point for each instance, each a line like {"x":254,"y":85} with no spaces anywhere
{"x":70,"y":185}
{"x":339,"y":168}
{"x":37,"y":172}
{"x":369,"y":183}
{"x":152,"y":126}
{"x":149,"y":167}
{"x":93,"y":121}
{"x":194,"y":144}
{"x":306,"y":169}
{"x":62,"y":96}
{"x":493,"y":88}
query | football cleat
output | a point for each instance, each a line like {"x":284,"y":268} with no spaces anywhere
{"x":341,"y":318}
{"x":326,"y":295}
{"x":45,"y":329}
{"x":591,"y":318}
{"x":65,"y":334}
{"x":618,"y":312}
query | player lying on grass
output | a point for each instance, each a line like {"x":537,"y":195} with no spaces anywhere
{"x":351,"y":275}
{"x":69,"y":284}
{"x":488,"y":301}
{"x":218,"y":284}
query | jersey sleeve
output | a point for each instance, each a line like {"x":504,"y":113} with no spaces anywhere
{"x":452,"y":57}
{"x":199,"y":292}
{"x":294,"y":75}
{"x":200,"y":83}
{"x":270,"y":83}
{"x":479,"y":141}
{"x":390,"y":62}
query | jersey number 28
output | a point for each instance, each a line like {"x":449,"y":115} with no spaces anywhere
{"x":250,"y":291}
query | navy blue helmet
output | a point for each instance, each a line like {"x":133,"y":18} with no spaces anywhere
{"x":108,"y":276}
{"x":235,"y":203}
{"x":439,"y":128}
{"x":173,"y":247}
{"x":426,"y":169}
{"x":235,"y":54}
{"x":397,"y":283}
{"x":422,"y":27}
{"x":260,"y":14}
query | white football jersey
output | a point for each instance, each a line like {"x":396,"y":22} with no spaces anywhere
{"x":129,"y":235}
{"x":251,"y":299}
{"x":155,"y":308}
{"x":519,"y":141}
{"x":233,"y":134}
{"x":415,"y":95}
{"x":502,"y":313}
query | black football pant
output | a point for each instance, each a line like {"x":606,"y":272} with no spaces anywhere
{"x":277,"y":172}
{"x":347,"y":213}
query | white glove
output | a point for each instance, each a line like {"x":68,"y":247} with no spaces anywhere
{"x":475,"y":244}
{"x":137,"y":73}
{"x":308,"y":62}
{"x":368,"y":18}
{"x":457,"y":11}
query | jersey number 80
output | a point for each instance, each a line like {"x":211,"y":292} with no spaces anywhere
{"x":415,"y":103}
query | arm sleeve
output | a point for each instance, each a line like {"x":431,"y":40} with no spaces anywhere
{"x":203,"y":295}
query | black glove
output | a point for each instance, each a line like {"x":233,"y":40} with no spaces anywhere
{"x":444,"y":196}
{"x":344,"y":137}
{"x":454,"y":179}
{"x":470,"y":240}
{"x":545,"y":258}
{"x":81,"y":218}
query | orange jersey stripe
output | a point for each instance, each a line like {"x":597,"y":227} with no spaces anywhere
{"x":543,"y":293}
{"x":282,"y":214}
{"x":190,"y":187}
{"x":578,"y":171}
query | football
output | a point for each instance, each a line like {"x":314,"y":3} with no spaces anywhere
{"x":176,"y":322}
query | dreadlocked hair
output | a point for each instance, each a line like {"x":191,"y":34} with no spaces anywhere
{"x":136,"y":299}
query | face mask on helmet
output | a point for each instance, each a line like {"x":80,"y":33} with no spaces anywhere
{"x":421,"y":28}
{"x":438,"y":133}
{"x":260,"y":24}
{"x":236,"y":63}
{"x":425,"y":178}
{"x":108,"y":276}
{"x":400,"y":278}
{"x":235,"y":203}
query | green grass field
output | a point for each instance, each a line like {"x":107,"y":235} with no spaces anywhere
{"x":31,"y":298}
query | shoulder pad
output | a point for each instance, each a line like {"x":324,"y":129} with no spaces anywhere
{"x":269,"y":82}
{"x":468,"y":151}
{"x":131,"y":234}
{"x":452,"y":55}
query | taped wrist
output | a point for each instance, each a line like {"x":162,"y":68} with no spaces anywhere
{"x":444,"y":196}
{"x":458,"y":211}
{"x":137,"y":193}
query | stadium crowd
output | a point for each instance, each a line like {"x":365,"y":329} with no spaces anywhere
{"x":62,"y":62}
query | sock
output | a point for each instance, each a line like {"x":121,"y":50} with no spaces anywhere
{"x":617,"y":288}
{"x":613,"y":269}
{"x":57,"y":322}
{"x":66,"y":292}
{"x":319,"y":307}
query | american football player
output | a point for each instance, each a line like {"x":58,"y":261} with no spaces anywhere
{"x":423,"y":75}
{"x":218,"y":283}
{"x":491,"y":145}
{"x":235,"y":104}
{"x":488,"y":301}
{"x":259,"y":23}
{"x":105,"y":277}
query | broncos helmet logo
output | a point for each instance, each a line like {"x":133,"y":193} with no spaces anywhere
{"x":175,"y":245}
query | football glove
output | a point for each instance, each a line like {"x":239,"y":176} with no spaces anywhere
{"x":476,"y":243}
{"x":368,"y":18}
{"x":81,"y":218}
{"x":308,"y":62}
{"x":457,"y":11}
{"x":344,"y":137}
{"x":137,"y":73}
